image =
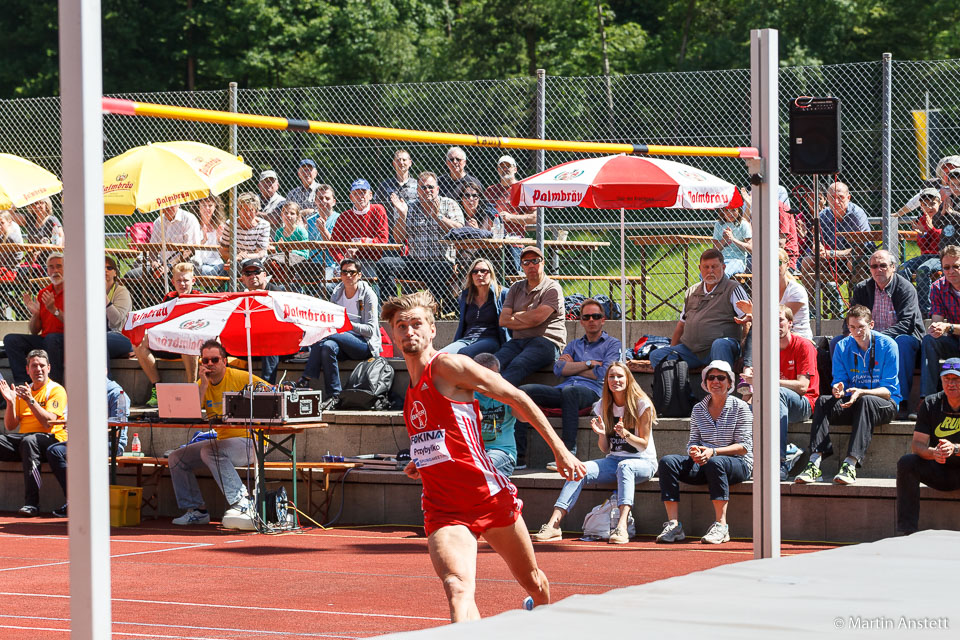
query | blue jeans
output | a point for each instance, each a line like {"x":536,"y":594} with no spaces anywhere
{"x":726,"y":349}
{"x":933,"y":350}
{"x":326,"y":355}
{"x":719,"y":474}
{"x":627,"y":472}
{"x":522,"y":356}
{"x":569,"y":399}
{"x":471,"y":347}
{"x":793,"y":408}
{"x":907,"y":347}
{"x":502,"y":461}
{"x":922,"y":266}
{"x":221,"y":457}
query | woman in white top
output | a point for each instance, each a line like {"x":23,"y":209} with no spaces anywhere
{"x":624,"y":428}
{"x":210,"y":213}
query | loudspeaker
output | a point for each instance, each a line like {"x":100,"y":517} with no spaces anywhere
{"x":815,"y":136}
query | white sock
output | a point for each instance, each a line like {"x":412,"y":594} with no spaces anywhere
{"x":851,"y":460}
{"x":815,"y":459}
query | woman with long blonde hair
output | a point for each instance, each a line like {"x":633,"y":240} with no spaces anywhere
{"x":480,"y":304}
{"x":624,"y":421}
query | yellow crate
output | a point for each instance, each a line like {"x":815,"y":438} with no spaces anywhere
{"x":125,"y":506}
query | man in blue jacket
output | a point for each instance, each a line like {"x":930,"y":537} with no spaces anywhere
{"x":865,"y":393}
{"x":896,"y":313}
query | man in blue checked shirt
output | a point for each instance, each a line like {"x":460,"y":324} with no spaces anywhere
{"x":942,"y":340}
{"x":865,"y":393}
{"x":583,"y":365}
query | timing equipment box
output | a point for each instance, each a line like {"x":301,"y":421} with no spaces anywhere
{"x":272,"y":407}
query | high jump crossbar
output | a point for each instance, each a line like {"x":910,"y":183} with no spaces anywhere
{"x":131,"y":108}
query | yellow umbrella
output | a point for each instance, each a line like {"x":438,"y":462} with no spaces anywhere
{"x":165,"y":174}
{"x":23,"y":182}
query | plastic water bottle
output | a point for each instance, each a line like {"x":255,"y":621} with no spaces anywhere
{"x":497,"y":227}
{"x":135,"y":448}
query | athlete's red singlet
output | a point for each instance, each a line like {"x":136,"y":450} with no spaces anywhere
{"x":446,"y":446}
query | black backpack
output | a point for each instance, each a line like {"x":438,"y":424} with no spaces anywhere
{"x":671,"y":389}
{"x":368,"y":387}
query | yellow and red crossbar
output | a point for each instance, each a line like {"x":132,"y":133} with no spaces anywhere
{"x":132,"y":108}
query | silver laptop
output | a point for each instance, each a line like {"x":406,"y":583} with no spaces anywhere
{"x":179,"y":402}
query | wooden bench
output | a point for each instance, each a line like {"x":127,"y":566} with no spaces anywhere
{"x":155,"y":466}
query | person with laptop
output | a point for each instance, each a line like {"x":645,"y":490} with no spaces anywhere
{"x":232,"y":447}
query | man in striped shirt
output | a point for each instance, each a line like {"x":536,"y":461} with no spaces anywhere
{"x":253,"y":232}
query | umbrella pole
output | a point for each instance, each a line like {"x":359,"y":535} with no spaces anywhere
{"x":163,"y":253}
{"x":623,"y":290}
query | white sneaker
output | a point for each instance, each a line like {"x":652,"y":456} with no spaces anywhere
{"x":672,"y":532}
{"x":239,"y":516}
{"x":717,"y":534}
{"x":193,"y":516}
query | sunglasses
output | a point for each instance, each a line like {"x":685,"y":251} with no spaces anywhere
{"x":456,"y":159}
{"x":109,"y":267}
{"x":427,"y":187}
{"x":951,"y":267}
{"x":471,"y":196}
{"x":592,"y":316}
{"x":716,"y":376}
{"x":252,"y":272}
{"x":527,"y":263}
{"x":480,"y":272}
{"x":879,"y":265}
{"x":213,"y":360}
{"x":349,"y":272}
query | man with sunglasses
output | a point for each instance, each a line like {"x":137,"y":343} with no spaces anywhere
{"x":46,"y":326}
{"x":865,"y":394}
{"x":534,"y":314}
{"x":935,"y":457}
{"x":451,"y":184}
{"x":231,"y":448}
{"x":254,"y":277}
{"x":422,"y":226}
{"x":582,"y":365}
{"x":896,"y":313}
{"x":942,"y":340}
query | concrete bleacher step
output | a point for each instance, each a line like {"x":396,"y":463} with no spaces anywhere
{"x":820,"y":512}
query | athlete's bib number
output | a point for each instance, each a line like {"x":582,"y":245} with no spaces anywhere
{"x":428,"y":448}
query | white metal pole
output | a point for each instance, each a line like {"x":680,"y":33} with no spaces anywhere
{"x":766,"y":352}
{"x":81,"y":126}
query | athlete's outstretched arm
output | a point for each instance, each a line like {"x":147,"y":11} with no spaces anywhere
{"x":457,"y":372}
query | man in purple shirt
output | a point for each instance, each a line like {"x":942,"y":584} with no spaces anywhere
{"x":942,"y":340}
{"x":583,"y":365}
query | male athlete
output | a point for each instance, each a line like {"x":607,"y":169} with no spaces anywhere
{"x":464,"y":495}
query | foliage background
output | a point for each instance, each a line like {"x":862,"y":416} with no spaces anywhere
{"x":170,"y":45}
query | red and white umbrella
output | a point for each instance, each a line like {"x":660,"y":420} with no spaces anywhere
{"x":247,"y":323}
{"x":625,"y":182}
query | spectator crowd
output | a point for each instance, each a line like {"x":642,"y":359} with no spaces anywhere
{"x":301,"y":242}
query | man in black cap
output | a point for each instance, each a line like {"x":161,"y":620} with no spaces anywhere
{"x":534,"y":313}
{"x":935,"y":457}
{"x":255,"y":278}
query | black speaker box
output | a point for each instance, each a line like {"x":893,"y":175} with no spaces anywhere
{"x":815,"y":136}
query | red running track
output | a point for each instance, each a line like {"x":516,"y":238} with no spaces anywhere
{"x":204,"y":582}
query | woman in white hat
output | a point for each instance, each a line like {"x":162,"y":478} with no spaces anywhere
{"x":719,"y":454}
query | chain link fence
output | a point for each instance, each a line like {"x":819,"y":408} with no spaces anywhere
{"x":695,"y":108}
